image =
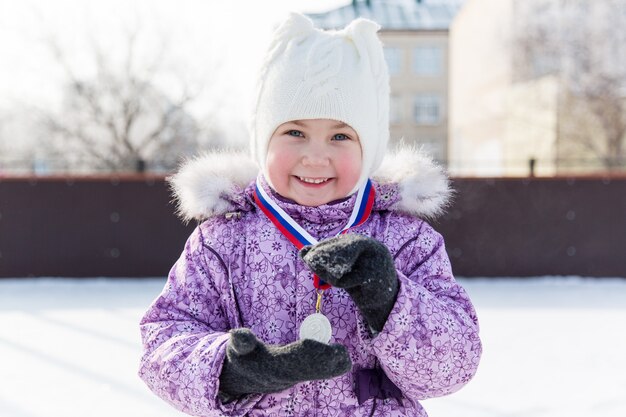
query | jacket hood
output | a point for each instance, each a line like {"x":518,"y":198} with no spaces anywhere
{"x":214,"y":183}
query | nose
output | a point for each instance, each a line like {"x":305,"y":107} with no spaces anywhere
{"x":316,"y":155}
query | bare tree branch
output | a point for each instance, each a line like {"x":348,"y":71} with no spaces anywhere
{"x":118,"y":116}
{"x":568,"y":39}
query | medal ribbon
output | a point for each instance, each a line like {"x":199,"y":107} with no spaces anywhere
{"x":300,"y":237}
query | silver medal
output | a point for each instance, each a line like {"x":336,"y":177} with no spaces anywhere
{"x":316,"y":327}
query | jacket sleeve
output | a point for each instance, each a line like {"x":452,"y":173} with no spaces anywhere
{"x":184,"y":334}
{"x":429,"y":345}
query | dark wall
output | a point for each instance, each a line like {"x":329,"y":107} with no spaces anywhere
{"x":541,"y":226}
{"x":115,"y":227}
{"x":126,"y":227}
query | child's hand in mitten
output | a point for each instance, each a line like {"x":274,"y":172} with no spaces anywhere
{"x":253,"y":367}
{"x":363,"y":267}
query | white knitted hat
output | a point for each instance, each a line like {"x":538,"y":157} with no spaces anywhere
{"x":309,"y":73}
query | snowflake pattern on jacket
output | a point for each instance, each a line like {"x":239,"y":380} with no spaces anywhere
{"x":240,"y":271}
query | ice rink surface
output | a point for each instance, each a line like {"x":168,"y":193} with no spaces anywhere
{"x":552,"y":347}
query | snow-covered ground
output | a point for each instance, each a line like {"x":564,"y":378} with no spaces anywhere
{"x":552,"y":347}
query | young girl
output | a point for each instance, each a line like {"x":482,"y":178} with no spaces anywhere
{"x":310,"y":289}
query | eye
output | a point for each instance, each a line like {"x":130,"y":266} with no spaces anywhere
{"x":341,"y":137}
{"x":295,"y":133}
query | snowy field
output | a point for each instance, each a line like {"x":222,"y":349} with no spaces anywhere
{"x":552,"y":347}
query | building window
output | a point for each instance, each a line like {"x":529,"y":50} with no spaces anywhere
{"x":427,"y":60}
{"x":395,"y":110}
{"x":393,"y":56}
{"x":427,"y":109}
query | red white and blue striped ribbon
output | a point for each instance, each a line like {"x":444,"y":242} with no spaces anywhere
{"x":296,"y":233}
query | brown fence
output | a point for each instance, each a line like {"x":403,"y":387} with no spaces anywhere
{"x":86,"y":227}
{"x":126,"y":227}
{"x":540,"y":226}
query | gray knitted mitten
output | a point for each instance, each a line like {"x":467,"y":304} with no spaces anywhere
{"x":363,"y":267}
{"x":252,"y":367}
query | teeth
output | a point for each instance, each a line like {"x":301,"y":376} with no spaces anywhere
{"x":313,"y":180}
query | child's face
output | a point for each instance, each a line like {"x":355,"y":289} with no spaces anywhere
{"x":314,"y":162}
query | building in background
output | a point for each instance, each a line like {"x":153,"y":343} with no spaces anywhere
{"x":538,"y":87}
{"x":415,"y":35}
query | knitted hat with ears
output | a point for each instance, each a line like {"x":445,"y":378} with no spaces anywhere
{"x":310,"y":73}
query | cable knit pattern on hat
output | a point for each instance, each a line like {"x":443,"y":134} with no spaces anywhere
{"x":291,"y":30}
{"x":340,"y":75}
{"x":323,"y":63}
{"x":364,"y":34}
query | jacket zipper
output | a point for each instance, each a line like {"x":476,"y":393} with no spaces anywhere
{"x":373,"y":407}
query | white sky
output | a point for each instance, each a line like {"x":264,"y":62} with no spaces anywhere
{"x":233,"y":33}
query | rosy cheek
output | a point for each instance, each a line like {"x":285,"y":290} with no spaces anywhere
{"x":350,"y":166}
{"x":351,"y":162}
{"x":273,"y":170}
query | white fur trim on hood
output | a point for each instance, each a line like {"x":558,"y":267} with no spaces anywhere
{"x":424,"y":186}
{"x":209,"y":184}
{"x":203,"y":185}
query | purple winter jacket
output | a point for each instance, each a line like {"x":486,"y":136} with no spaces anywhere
{"x":238,"y":270}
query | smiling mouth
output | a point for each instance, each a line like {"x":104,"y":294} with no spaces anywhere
{"x":313,"y":181}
